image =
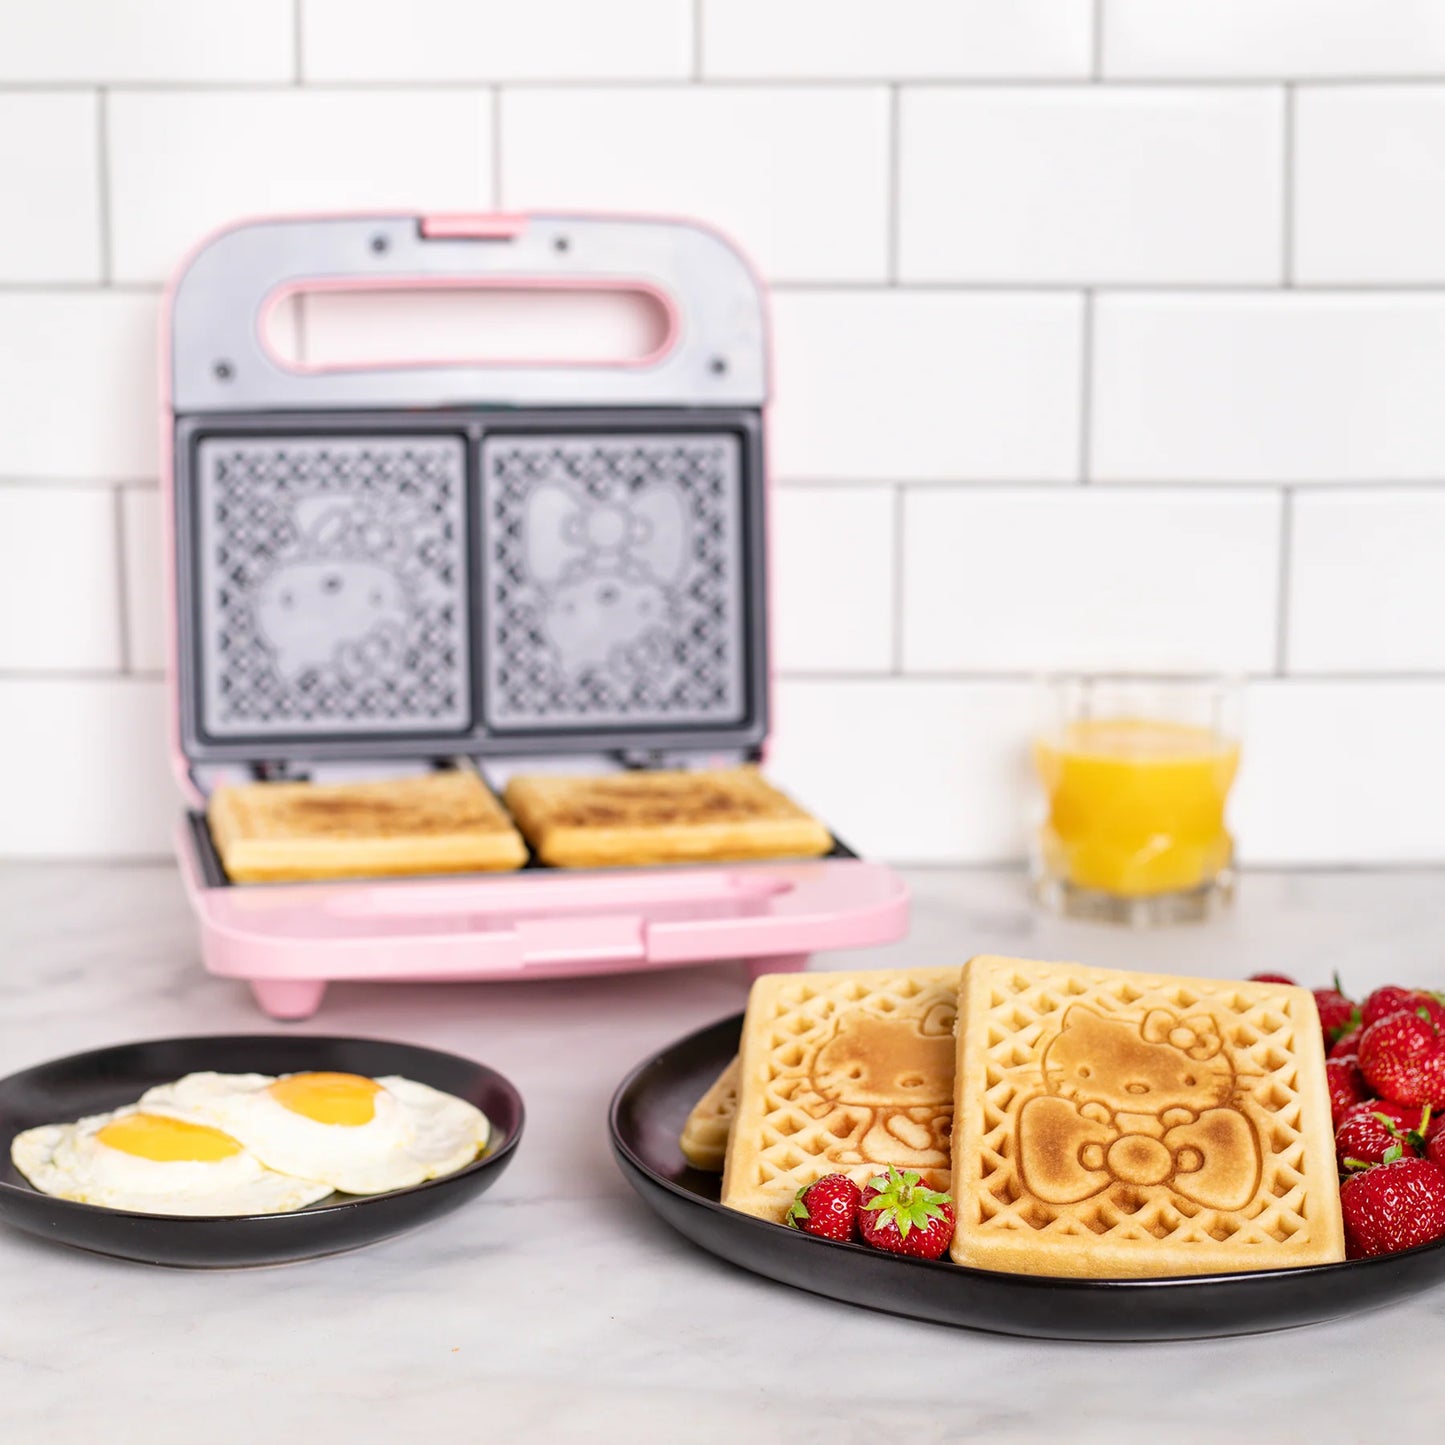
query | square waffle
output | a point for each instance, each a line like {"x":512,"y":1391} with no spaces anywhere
{"x":661,"y":817}
{"x":1113,"y":1124}
{"x":841,"y":1073}
{"x":445,"y":822}
{"x":704,"y":1139}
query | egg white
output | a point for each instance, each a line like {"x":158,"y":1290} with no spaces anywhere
{"x":70,"y":1162}
{"x":416,"y":1132}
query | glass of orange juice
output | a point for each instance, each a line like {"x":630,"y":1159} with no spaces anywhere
{"x":1136,"y":771}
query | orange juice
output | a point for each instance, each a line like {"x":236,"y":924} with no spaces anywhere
{"x":1136,"y":806}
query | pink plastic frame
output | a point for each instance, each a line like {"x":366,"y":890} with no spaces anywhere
{"x":289,"y":941}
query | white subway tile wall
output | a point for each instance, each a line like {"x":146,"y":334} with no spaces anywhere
{"x":1103,"y":579}
{"x":1367,"y":585}
{"x":182,"y":163}
{"x":833,"y":572}
{"x":890,"y":384}
{"x":1370,"y":184}
{"x":1108,"y":333}
{"x":799,"y":177}
{"x":1091,"y":184}
{"x":50,"y":179}
{"x":468,"y":40}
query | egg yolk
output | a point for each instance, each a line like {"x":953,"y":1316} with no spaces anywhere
{"x":346,"y":1099}
{"x":167,"y":1141}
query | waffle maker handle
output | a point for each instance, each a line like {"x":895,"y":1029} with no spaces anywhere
{"x":715,"y":353}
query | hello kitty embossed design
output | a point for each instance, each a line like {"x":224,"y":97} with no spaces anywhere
{"x":884,"y":1083}
{"x":1146,"y":1104}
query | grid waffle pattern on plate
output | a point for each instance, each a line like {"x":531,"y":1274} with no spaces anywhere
{"x":333,"y":584}
{"x":1138,"y":1124}
{"x":614,"y":579}
{"x":845,"y":1073}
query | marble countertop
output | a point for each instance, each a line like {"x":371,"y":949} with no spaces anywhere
{"x":558,"y":1305}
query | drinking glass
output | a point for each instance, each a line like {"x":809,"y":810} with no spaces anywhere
{"x":1135,"y":772}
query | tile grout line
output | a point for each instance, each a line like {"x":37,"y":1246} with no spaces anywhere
{"x":697,"y":55}
{"x":422,"y":84}
{"x":1287,"y":267}
{"x":1286,"y":551}
{"x":1431,"y":290}
{"x":1086,"y":390}
{"x":1097,"y":43}
{"x":1028,"y":676}
{"x":899,"y":563}
{"x":298,"y":26}
{"x":1201,"y":486}
{"x":122,"y":577}
{"x":102,"y":180}
{"x":1024,"y":677}
{"x":895,"y":162}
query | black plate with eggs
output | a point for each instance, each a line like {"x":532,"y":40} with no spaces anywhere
{"x":109,"y":1078}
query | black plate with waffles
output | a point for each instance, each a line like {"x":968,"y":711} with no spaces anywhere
{"x":104,"y":1079}
{"x":647,"y":1115}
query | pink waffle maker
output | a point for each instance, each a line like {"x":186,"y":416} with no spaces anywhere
{"x":382,"y":569}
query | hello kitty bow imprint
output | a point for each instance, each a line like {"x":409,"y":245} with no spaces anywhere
{"x":1138,"y":1103}
{"x":614,"y":577}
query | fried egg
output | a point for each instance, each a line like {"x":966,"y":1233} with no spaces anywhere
{"x":359,"y":1135}
{"x":153,"y":1163}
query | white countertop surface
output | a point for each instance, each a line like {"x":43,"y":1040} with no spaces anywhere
{"x":557,"y":1307}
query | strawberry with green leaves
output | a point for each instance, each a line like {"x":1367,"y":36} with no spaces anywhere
{"x":900,"y":1215}
{"x":1379,"y":1133}
{"x":1393,"y":1206}
{"x":828,"y":1207}
{"x":1338,"y":1014}
{"x":1402,"y":1057}
{"x":1347,"y":1045}
{"x":1394,"y":1000}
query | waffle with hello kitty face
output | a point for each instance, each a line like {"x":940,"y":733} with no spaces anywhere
{"x":841,"y":1073}
{"x":1122,"y":1124}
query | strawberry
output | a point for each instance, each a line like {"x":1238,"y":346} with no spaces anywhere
{"x":1272,"y":978}
{"x":899,"y":1215}
{"x":828,"y":1207}
{"x":1346,"y":1044}
{"x":1376,"y":1136}
{"x":1392,"y":1000}
{"x":1435,"y":1149}
{"x":1347,"y":1086}
{"x":1419,"y":1117}
{"x":1338,"y":1014}
{"x":1393,"y":1206}
{"x":1402,"y":1057}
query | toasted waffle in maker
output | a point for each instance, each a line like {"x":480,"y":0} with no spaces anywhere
{"x":443,"y":822}
{"x":637,"y":818}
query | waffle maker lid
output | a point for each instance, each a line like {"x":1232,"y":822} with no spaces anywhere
{"x":512,"y":559}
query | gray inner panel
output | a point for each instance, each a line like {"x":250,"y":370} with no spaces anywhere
{"x":332,"y":585}
{"x":613,"y":576}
